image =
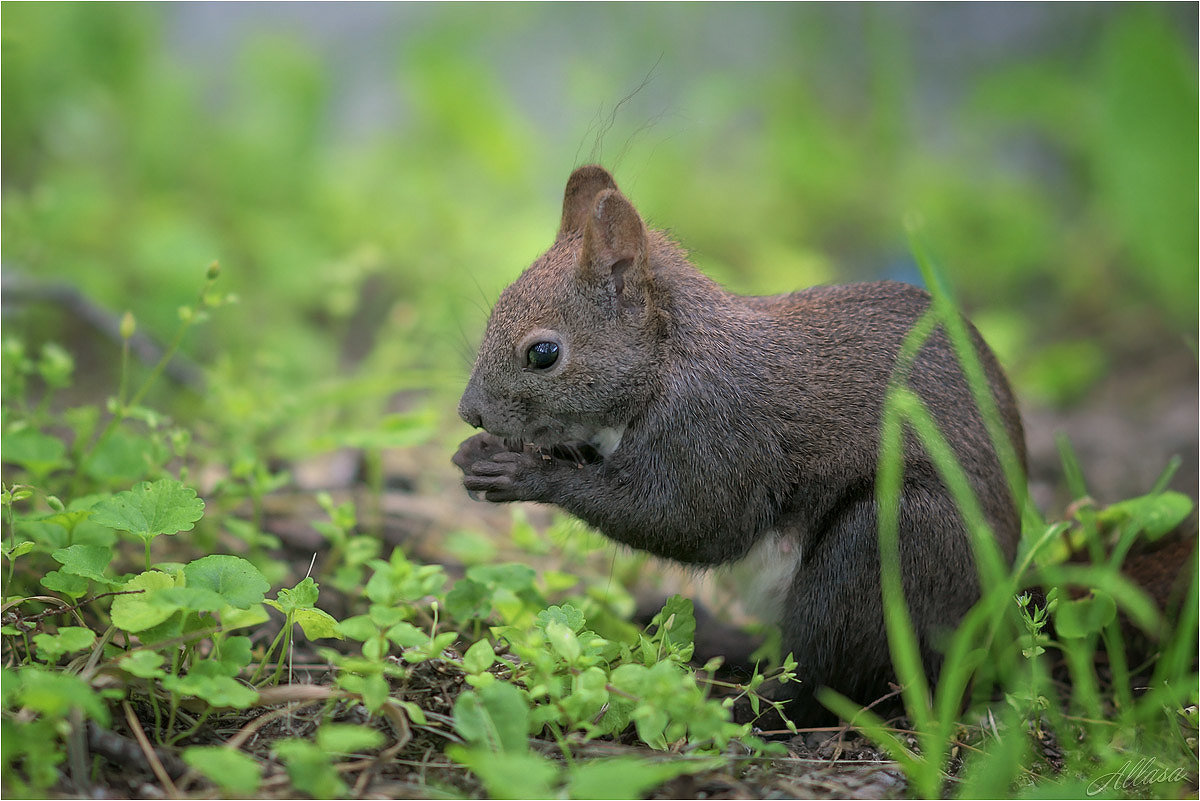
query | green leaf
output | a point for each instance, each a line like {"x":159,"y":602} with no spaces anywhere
{"x":509,"y":775}
{"x":317,"y":624}
{"x":346,"y":738}
{"x":470,"y":547}
{"x":1155,"y":515}
{"x":57,"y":581}
{"x":162,"y":507}
{"x":232,"y":619}
{"x":630,"y":678}
{"x":235,"y":654}
{"x":56,"y":365}
{"x":359,"y":627}
{"x":511,"y":576}
{"x":143,"y":664}
{"x":406,"y":635}
{"x":590,"y":687}
{"x":626,"y":777}
{"x":677,"y":625}
{"x":208,"y":680}
{"x":68,"y":640}
{"x":564,"y":641}
{"x":1146,"y":162}
{"x":194,"y":599}
{"x":566,"y":614}
{"x":1000,"y":762}
{"x":18,"y":550}
{"x":236,"y":773}
{"x":374,"y":692}
{"x":398,"y":580}
{"x":479,"y":657}
{"x":468,"y":600}
{"x":433,"y":649}
{"x":1085,"y":616}
{"x":557,"y":581}
{"x":387,"y":616}
{"x":309,"y":769}
{"x":38,"y":453}
{"x":231,"y":577}
{"x":68,"y":520}
{"x":496,"y":717}
{"x":651,"y":724}
{"x":302,"y":596}
{"x":145,"y":609}
{"x":414,"y":712}
{"x":54,"y":694}
{"x":123,"y":458}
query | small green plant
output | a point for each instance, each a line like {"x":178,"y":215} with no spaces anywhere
{"x":494,"y":721}
{"x":117,"y":615}
{"x":983,"y":651}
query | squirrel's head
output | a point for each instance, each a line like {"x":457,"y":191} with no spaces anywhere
{"x":571,"y":346}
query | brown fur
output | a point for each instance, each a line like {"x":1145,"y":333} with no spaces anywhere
{"x":741,"y":416}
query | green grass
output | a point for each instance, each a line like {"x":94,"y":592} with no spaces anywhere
{"x":1109,"y":728}
{"x":355,"y":272}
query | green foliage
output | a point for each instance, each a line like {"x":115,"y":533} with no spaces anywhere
{"x":343,"y":738}
{"x":310,"y":769}
{"x":151,"y":509}
{"x":982,"y":651}
{"x":299,"y":604}
{"x":495,"y":717}
{"x":233,"y":581}
{"x":354,"y":258}
{"x":35,"y":745}
{"x":277,"y":189}
{"x":494,"y":721}
{"x":231,"y":770}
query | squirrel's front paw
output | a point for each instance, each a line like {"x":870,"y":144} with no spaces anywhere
{"x":507,"y":476}
{"x":478,"y":448}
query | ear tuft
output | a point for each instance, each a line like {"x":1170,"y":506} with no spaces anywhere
{"x":614,"y":252}
{"x":579,"y":198}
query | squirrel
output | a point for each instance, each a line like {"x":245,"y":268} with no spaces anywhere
{"x":618,"y":382}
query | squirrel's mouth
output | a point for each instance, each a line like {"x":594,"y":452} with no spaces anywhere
{"x":580,"y":447}
{"x":576,"y":451}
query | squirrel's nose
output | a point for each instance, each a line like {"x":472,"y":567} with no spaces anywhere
{"x":468,"y":406}
{"x":470,"y":414}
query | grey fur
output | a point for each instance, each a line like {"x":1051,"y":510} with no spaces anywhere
{"x":741,"y":416}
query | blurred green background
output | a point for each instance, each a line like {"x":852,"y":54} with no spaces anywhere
{"x":370,"y":176}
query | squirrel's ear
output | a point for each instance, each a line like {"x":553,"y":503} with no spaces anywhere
{"x":614,"y":252}
{"x":580,"y":196}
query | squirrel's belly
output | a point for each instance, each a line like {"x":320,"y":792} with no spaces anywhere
{"x":606,"y":440}
{"x":763,"y":576}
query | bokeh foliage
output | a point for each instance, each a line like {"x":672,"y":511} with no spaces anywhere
{"x":783,"y":145}
{"x":366,"y":234}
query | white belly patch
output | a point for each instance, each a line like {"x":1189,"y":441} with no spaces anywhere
{"x":606,"y":440}
{"x":763,"y":577}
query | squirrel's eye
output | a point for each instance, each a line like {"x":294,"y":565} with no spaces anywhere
{"x":541,"y":355}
